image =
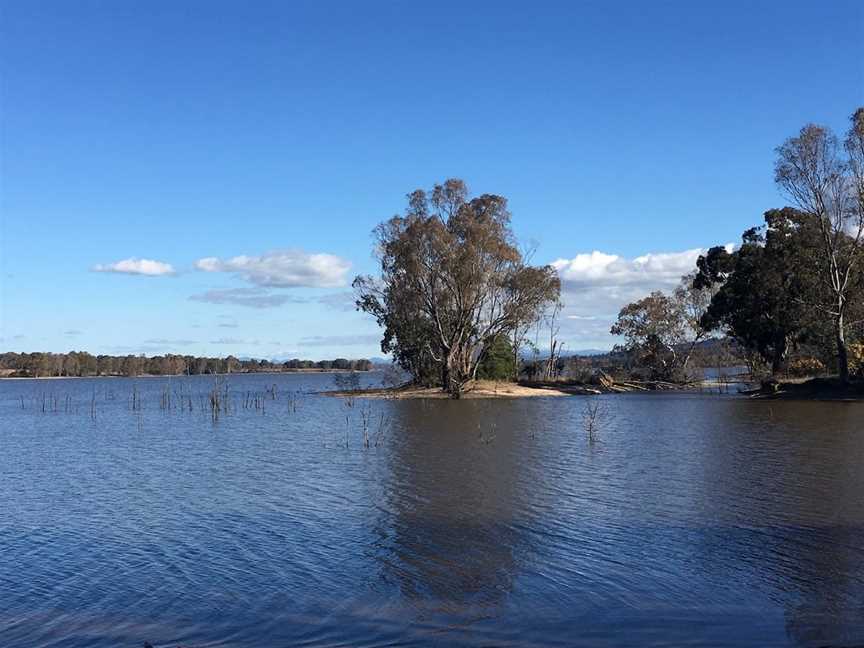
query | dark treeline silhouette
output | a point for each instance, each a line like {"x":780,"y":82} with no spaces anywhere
{"x":791,"y":295}
{"x":81,"y":363}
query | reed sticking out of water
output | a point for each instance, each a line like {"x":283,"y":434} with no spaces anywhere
{"x":254,"y":400}
{"x":372,"y":429}
{"x":49,"y":402}
{"x":347,"y":428}
{"x":185,"y":400}
{"x":218,"y":399}
{"x":365,"y":418}
{"x":594,"y":417}
{"x":383,"y":424}
{"x":165,"y":398}
{"x":135,"y":399}
{"x":293,"y":397}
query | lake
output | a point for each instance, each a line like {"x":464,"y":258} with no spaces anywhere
{"x":693,"y":520}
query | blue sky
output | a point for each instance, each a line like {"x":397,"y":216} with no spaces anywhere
{"x":268,"y":139}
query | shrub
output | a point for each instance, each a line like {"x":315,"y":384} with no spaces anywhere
{"x":806,"y":366}
{"x":497,"y":362}
{"x":856,"y":358}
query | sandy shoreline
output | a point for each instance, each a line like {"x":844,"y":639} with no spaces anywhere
{"x":480,"y":389}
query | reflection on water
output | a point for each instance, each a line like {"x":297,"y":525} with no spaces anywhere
{"x":452,"y":502}
{"x":696,"y":520}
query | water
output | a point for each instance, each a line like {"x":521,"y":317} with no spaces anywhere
{"x":695,"y":520}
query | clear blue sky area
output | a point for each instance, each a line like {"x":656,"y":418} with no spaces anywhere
{"x":181,"y":131}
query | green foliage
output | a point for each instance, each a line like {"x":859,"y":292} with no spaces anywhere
{"x":497,"y":362}
{"x":762,"y":294}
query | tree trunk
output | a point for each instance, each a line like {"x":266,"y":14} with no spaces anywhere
{"x":455,"y":389}
{"x":778,"y":361}
{"x":842,"y":351}
{"x":453,"y":375}
{"x":515,"y":356}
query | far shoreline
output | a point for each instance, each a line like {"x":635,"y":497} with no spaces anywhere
{"x":183,"y":375}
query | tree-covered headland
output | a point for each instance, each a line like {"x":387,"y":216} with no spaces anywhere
{"x":794,"y":285}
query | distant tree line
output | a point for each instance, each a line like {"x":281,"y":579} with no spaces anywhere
{"x":793,"y":287}
{"x":81,"y":363}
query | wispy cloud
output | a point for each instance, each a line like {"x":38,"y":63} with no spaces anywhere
{"x":235,"y":341}
{"x":283,"y":269}
{"x":341,"y":301}
{"x":339,"y":340}
{"x":249,"y":297}
{"x":169,"y":342}
{"x":147,"y":267}
{"x":228,"y":321}
{"x":72,"y":332}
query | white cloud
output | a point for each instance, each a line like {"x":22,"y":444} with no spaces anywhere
{"x":596,"y":285}
{"x":600,"y":269}
{"x":135,"y":266}
{"x":283,"y":269}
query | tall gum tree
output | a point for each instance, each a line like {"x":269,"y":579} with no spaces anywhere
{"x":452,"y":281}
{"x":828,"y":185}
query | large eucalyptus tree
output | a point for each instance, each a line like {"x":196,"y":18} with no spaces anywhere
{"x":452,"y":282}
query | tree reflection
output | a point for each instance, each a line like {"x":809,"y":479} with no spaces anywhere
{"x":454,"y":498}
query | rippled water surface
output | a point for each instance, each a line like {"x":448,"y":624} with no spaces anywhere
{"x":694,"y":520}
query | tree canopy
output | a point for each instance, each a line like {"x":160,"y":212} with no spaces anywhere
{"x":452,"y":282}
{"x":661,"y":331}
{"x":826,"y":182}
{"x":797,"y":280}
{"x":764,"y":287}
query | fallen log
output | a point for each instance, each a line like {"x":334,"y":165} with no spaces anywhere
{"x":631,"y":385}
